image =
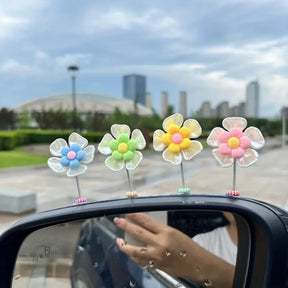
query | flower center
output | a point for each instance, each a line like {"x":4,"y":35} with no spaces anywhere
{"x":233,"y":142}
{"x":177,"y":138}
{"x":122,"y":148}
{"x":71,"y":155}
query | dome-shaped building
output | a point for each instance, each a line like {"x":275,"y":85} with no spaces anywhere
{"x":85,"y":103}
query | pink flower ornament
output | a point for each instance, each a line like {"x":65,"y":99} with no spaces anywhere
{"x":235,"y":143}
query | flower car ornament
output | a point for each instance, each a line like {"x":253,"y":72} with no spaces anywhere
{"x":235,"y":144}
{"x":71,"y":158}
{"x":176,"y":142}
{"x":123,"y":150}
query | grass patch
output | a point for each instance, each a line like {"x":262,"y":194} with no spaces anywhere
{"x":19,"y":157}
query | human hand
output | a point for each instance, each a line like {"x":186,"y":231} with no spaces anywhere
{"x":163,"y":246}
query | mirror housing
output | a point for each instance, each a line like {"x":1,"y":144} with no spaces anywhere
{"x":267,"y":226}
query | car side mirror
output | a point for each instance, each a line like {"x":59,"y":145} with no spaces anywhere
{"x":80,"y":245}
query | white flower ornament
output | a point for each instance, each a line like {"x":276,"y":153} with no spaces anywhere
{"x":235,"y":144}
{"x":71,"y":158}
{"x":122,"y":149}
{"x":176,"y":141}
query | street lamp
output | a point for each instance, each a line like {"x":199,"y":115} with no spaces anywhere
{"x":73,"y":70}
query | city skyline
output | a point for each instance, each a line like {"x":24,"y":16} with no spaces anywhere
{"x":189,"y":47}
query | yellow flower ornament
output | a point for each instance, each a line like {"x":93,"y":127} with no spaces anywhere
{"x":176,"y":142}
{"x":176,"y":139}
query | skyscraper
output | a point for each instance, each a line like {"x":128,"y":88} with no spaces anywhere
{"x":252,"y":100}
{"x":134,"y":88}
{"x":183,"y":103}
{"x":164,"y":103}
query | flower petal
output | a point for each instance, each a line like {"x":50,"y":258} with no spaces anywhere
{"x":75,"y":147}
{"x":213,"y":138}
{"x":90,"y":151}
{"x":56,"y":146}
{"x":224,"y":149}
{"x":224,"y":160}
{"x":234,"y":122}
{"x":104,"y":145}
{"x":114,"y":164}
{"x":224,"y":137}
{"x":249,"y":158}
{"x":118,"y":129}
{"x":236,"y":132}
{"x":55,"y":165}
{"x":139,"y":138}
{"x":158,"y":145}
{"x":78,"y":171}
{"x":194,"y":127}
{"x":245,"y":142}
{"x":81,"y":155}
{"x":256,"y":138}
{"x":193,"y":150}
{"x":237,"y":153}
{"x":74,"y":164}
{"x":173,"y":158}
{"x":176,"y":119}
{"x":132,"y":164}
{"x":75,"y":138}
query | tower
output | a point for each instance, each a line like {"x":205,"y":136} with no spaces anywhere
{"x":149,"y":100}
{"x":134,"y":88}
{"x":164,"y":103}
{"x":183,"y":103}
{"x":252,"y":100}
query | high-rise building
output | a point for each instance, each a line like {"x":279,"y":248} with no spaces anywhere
{"x":134,"y":88}
{"x":164,"y":103}
{"x":183,"y":103}
{"x":149,"y":100}
{"x":206,"y":110}
{"x":252,"y":100}
{"x":223,"y":110}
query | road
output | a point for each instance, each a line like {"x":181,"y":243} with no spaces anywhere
{"x":266,"y":180}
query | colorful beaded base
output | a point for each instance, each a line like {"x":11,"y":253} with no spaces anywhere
{"x":184,"y":191}
{"x":233,"y":193}
{"x":131,"y":194}
{"x":80,"y":200}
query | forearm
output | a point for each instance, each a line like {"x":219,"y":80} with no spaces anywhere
{"x":200,"y":266}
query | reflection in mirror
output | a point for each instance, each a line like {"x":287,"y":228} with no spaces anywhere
{"x":153,"y":249}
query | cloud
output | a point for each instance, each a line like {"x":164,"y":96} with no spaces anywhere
{"x":209,"y":49}
{"x":271,"y":53}
{"x":15,"y":68}
{"x":17,"y":16}
{"x":9,"y":25}
{"x":156,"y":23}
{"x":77,"y":59}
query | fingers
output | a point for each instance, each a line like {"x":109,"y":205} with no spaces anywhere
{"x":147,"y":222}
{"x":139,"y":255}
{"x":135,"y":230}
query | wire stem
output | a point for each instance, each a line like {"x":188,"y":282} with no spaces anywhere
{"x":78,"y":187}
{"x":234,"y":176}
{"x":182,"y":175}
{"x":129,"y":180}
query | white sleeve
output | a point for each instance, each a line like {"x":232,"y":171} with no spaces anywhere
{"x":219,"y":243}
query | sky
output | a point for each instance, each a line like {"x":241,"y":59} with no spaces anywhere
{"x":210,"y":48}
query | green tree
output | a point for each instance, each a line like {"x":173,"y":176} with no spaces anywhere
{"x":8,"y":119}
{"x":24,"y":120}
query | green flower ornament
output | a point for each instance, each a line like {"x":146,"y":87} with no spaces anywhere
{"x":122,"y":149}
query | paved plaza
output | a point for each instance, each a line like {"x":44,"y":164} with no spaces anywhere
{"x":265,"y":180}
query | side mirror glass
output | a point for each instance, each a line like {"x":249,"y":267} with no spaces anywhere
{"x":188,"y":248}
